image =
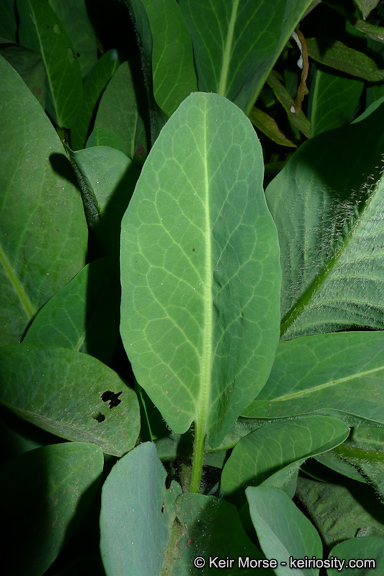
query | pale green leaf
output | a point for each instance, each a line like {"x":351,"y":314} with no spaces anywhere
{"x":45,"y":494}
{"x":329,"y":373}
{"x":283,"y":530}
{"x":42,"y":30}
{"x":327,"y":204}
{"x":200,"y":275}
{"x":69,"y":394}
{"x":43,"y":229}
{"x":366,"y":6}
{"x":273,"y":447}
{"x":364,"y":555}
{"x":237,"y":43}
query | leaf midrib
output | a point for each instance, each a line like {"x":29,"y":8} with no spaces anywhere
{"x":222,"y":87}
{"x":26,"y":303}
{"x":330,"y":384}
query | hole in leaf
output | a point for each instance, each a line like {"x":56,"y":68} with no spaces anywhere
{"x":98,"y":416}
{"x":111,"y":397}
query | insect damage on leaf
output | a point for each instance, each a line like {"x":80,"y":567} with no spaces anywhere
{"x":111,"y":397}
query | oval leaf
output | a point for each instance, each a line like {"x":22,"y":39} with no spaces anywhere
{"x":200,"y":273}
{"x":69,"y":394}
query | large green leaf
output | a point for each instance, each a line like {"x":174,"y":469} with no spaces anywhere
{"x":328,"y":373}
{"x":328,"y":206}
{"x":43,"y":229}
{"x":173,"y":68}
{"x":42,"y":30}
{"x":273,"y":447}
{"x":364,"y":555}
{"x":157,"y":531}
{"x":199,"y":268}
{"x":283,"y":530}
{"x":333,"y":100}
{"x":84,"y":315}
{"x":44,"y":496}
{"x":69,"y":394}
{"x":236,"y":44}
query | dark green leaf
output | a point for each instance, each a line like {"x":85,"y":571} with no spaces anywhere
{"x":337,"y":55}
{"x":200,"y":275}
{"x":366,"y":6}
{"x":94,"y":86}
{"x":41,"y":30}
{"x":45,"y":494}
{"x":43,"y":229}
{"x":29,"y":65}
{"x":74,"y":16}
{"x":120,"y":112}
{"x":69,"y":394}
{"x":333,"y":100}
{"x":236,"y":44}
{"x":8,"y":22}
{"x":84,"y":315}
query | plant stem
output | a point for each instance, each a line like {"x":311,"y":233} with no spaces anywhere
{"x":198,"y":457}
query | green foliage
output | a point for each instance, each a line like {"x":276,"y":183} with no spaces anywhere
{"x":191,"y":271}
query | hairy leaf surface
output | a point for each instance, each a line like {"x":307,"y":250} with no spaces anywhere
{"x":328,"y":206}
{"x":200,"y":274}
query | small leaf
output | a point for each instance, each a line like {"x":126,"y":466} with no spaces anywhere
{"x":41,"y":30}
{"x":283,"y":530}
{"x":45,"y":494}
{"x":337,"y":55}
{"x":333,"y":100}
{"x":366,"y":6}
{"x":8,"y":22}
{"x":94,"y":86}
{"x":274,"y":447}
{"x":61,"y":391}
{"x":269,"y":127}
{"x":119,"y":112}
{"x":200,"y":274}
